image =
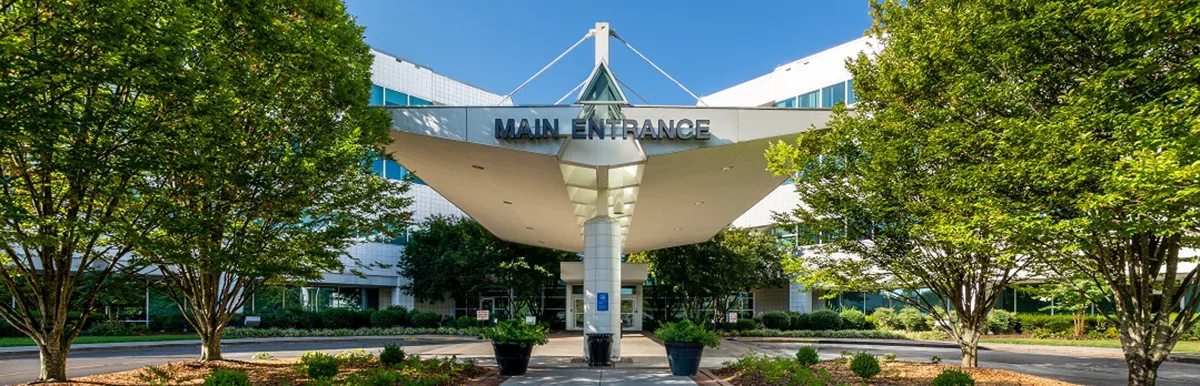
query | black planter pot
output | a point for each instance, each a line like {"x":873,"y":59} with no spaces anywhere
{"x":511,"y":358}
{"x":684,"y":358}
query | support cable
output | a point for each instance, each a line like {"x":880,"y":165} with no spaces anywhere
{"x":660,"y":70}
{"x":630,"y":89}
{"x":560,"y":56}
{"x":564,"y":97}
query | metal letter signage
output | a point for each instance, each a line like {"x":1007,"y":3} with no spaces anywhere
{"x":541,"y":128}
{"x":602,"y":301}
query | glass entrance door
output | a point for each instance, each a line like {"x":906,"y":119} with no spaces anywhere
{"x":628,"y":314}
{"x":577,"y":311}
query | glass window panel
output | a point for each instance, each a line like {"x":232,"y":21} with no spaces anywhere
{"x":376,"y":96}
{"x":377,"y":167}
{"x":833,"y":94}
{"x":850,"y":97}
{"x":414,"y":101}
{"x":394,"y":98}
{"x":790,"y":102}
{"x":810,"y":99}
{"x":393,"y":170}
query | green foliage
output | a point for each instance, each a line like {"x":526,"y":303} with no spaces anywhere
{"x":687,"y":332}
{"x":799,"y":321}
{"x":884,"y":317}
{"x":853,"y":319}
{"x":318,"y":365}
{"x":244,"y":333}
{"x":778,"y":320}
{"x":1002,"y":322}
{"x":391,"y":355}
{"x":825,"y":319}
{"x":394,"y":316}
{"x":341,"y":318}
{"x":466,"y":322}
{"x":776,"y":370}
{"x":114,"y":328}
{"x":227,"y":377}
{"x":912,"y":320}
{"x":746,"y":324}
{"x":871,"y":334}
{"x":891,"y":356}
{"x":516,"y":331}
{"x":807,"y":356}
{"x":864,"y":365}
{"x":354,"y":358}
{"x":950,"y":377}
{"x":1043,"y":333}
{"x":158,"y":375}
{"x":425,"y":319}
{"x":262,"y":356}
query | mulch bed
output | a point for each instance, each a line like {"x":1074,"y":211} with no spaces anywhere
{"x":260,"y":372}
{"x":897,"y":373}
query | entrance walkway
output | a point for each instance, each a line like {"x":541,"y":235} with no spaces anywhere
{"x":560,"y":362}
{"x":625,"y":377}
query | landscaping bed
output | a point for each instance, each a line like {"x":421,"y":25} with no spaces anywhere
{"x":768,"y":372}
{"x":356,"y":368}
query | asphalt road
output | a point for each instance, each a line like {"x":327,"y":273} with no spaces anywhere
{"x":1084,"y":371}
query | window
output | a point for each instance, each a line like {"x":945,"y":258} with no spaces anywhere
{"x":850,"y":97}
{"x":414,"y":101}
{"x":831,"y":95}
{"x":394,"y":98}
{"x":376,"y":96}
{"x":393,"y":170}
{"x":377,"y":167}
{"x":790,"y":102}
{"x":742,"y":304}
{"x":810,"y":99}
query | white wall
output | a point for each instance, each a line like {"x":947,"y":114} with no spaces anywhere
{"x":795,"y":78}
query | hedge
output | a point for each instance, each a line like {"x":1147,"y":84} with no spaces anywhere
{"x":771,"y":333}
{"x":242,"y":333}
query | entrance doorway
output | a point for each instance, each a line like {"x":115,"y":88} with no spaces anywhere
{"x":496,"y":306}
{"x":630,"y":308}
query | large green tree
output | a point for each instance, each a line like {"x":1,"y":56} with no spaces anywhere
{"x":456,"y":257}
{"x":269,"y":178}
{"x":705,"y":275}
{"x":83,"y":89}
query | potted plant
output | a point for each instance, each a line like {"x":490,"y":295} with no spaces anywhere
{"x":512,"y":342}
{"x":685,"y":343}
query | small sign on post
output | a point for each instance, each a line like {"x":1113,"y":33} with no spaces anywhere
{"x":732,"y":317}
{"x":530,"y":319}
{"x":602,"y":301}
{"x":481,"y":315}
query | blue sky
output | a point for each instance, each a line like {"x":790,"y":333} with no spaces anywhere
{"x":706,"y":45}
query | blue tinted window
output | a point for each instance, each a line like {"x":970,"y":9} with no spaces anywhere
{"x":394,"y":98}
{"x":414,"y":101}
{"x":811,"y":99}
{"x":850,"y":97}
{"x":833,"y":94}
{"x":377,"y":167}
{"x":393,"y":170}
{"x":376,"y":96}
{"x":790,"y":102}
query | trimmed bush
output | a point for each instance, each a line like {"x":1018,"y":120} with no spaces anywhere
{"x":853,"y":319}
{"x":394,"y":316}
{"x":865,"y":334}
{"x":884,"y":317}
{"x":728,"y":326}
{"x":864,"y":365}
{"x":391,"y":355}
{"x":113,"y":328}
{"x":425,"y":319}
{"x":1001,"y":322}
{"x":825,"y":320}
{"x":778,"y":320}
{"x":319,"y":365}
{"x":338,"y":318}
{"x":807,"y":355}
{"x":953,"y":378}
{"x":466,"y":322}
{"x":746,"y":324}
{"x":912,"y":319}
{"x":799,"y":321}
{"x":227,"y":377}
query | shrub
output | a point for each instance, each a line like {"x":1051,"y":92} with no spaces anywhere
{"x":227,"y":377}
{"x":728,"y":326}
{"x":1041,"y":333}
{"x":890,"y":356}
{"x":746,"y":324}
{"x":1001,"y":322}
{"x":911,"y":319}
{"x":319,"y":365}
{"x":950,"y":377}
{"x":807,"y":356}
{"x":649,"y":324}
{"x":778,"y":320}
{"x":112,"y":328}
{"x":391,"y":355}
{"x":799,"y":321}
{"x":172,"y":322}
{"x":425,"y":319}
{"x":825,"y":320}
{"x":394,"y":316}
{"x":776,"y":371}
{"x":853,"y":319}
{"x":466,"y":322}
{"x":687,"y":332}
{"x":869,"y":334}
{"x":339,"y":318}
{"x":864,"y":365}
{"x":262,"y":356}
{"x":515,"y":330}
{"x":884,"y":317}
{"x":355,"y":358}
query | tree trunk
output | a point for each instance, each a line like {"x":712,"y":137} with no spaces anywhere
{"x":53,"y":355}
{"x":1142,"y":371}
{"x":210,"y":345}
{"x":968,"y":343}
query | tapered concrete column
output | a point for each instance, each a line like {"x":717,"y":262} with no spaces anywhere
{"x":602,"y":274}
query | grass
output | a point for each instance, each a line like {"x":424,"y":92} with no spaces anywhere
{"x":22,"y":341}
{"x":1181,"y":347}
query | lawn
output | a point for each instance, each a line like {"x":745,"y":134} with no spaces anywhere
{"x":15,"y":342}
{"x":1181,"y":347}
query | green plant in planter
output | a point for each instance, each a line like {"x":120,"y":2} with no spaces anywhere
{"x":687,"y":332}
{"x":516,"y":331}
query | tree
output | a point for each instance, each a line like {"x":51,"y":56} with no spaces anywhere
{"x":1076,"y":296}
{"x":269,"y":178}
{"x":706,"y":274}
{"x":82,"y":93}
{"x":456,"y":257}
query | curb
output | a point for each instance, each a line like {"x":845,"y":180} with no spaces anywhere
{"x":1019,"y":348}
{"x":92,"y":347}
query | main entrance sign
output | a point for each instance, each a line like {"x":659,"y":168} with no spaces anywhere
{"x":682,"y":129}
